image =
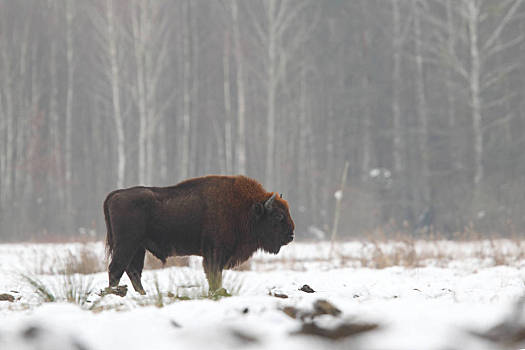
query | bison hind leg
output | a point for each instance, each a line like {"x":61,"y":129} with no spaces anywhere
{"x":134,"y":270}
{"x":117,"y":266}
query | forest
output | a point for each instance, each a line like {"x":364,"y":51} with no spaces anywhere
{"x":423,"y":99}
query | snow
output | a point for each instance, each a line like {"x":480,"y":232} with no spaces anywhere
{"x":431,"y":306}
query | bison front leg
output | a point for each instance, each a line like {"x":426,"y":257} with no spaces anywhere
{"x":213,"y":270}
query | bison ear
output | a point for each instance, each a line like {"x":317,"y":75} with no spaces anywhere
{"x":258,"y":209}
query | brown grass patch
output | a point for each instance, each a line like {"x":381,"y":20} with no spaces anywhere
{"x":84,"y":261}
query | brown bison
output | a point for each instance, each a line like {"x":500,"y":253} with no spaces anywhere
{"x":224,"y":219}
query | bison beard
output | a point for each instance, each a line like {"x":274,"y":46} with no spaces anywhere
{"x":224,"y":219}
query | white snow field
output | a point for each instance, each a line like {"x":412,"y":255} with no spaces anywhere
{"x":437,"y":297}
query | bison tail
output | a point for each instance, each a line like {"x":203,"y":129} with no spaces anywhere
{"x":109,"y":234}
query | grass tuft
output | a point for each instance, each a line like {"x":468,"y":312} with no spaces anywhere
{"x":75,"y":289}
{"x":42,"y":290}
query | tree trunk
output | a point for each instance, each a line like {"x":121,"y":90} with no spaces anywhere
{"x":396,"y":87}
{"x":474,"y":87}
{"x":115,"y":89}
{"x":228,"y":142}
{"x":365,"y":84}
{"x":451,"y":99}
{"x":54,"y":130}
{"x":272,"y":82}
{"x":195,"y":101}
{"x":140,"y":92}
{"x":8,"y":112}
{"x":185,"y":132}
{"x":240,"y":145}
{"x":68,"y":151}
{"x":421,"y":108}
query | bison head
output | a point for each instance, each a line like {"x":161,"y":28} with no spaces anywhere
{"x":274,"y":226}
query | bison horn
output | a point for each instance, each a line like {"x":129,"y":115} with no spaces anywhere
{"x":269,"y":202}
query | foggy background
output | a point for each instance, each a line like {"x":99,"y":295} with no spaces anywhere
{"x":423,"y":99}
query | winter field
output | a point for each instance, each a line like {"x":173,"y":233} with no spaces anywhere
{"x":367,"y":295}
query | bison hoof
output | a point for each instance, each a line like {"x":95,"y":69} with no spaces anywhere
{"x":121,"y":291}
{"x":218,"y":293}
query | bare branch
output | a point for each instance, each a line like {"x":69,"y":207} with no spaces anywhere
{"x":504,"y":22}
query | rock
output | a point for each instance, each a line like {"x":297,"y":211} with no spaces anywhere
{"x":324,"y":307}
{"x":320,"y":307}
{"x":278,"y":295}
{"x":291,"y":311}
{"x":243,"y":337}
{"x":307,"y":289}
{"x":31,"y":332}
{"x":7,"y":297}
{"x":38,"y":337}
{"x":510,"y":331}
{"x":342,"y":331}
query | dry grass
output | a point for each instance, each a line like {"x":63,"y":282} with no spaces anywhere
{"x":403,"y":254}
{"x":84,"y":261}
{"x":75,"y":289}
{"x":381,"y":249}
{"x":406,"y":252}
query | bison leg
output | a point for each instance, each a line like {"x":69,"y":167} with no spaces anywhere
{"x":134,"y":270}
{"x":213,"y":271}
{"x":121,"y":258}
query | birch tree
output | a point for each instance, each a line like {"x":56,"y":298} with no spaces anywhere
{"x":421,"y":102}
{"x":479,"y":34}
{"x":109,"y":50}
{"x":397,"y":41}
{"x":7,"y":114}
{"x":240,"y":145}
{"x":186,"y":102}
{"x":271,"y":29}
{"x":69,"y":9}
{"x":365,"y":102}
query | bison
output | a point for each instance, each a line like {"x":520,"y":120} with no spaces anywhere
{"x":224,"y":219}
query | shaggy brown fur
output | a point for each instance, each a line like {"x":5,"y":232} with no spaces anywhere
{"x":224,"y":219}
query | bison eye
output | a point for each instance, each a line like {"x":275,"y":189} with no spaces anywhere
{"x":279,"y":216}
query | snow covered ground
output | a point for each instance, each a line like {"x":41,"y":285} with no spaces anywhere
{"x":429,"y":295}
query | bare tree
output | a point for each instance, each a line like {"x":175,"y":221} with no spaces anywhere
{"x":474,"y":69}
{"x":69,"y":8}
{"x":110,"y":34}
{"x":271,"y":29}
{"x":240,"y":145}
{"x":228,"y":131}
{"x":7,"y":114}
{"x":186,"y":100}
{"x":421,"y":103}
{"x":397,"y":41}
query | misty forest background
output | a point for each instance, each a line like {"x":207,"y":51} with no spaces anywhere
{"x":425,"y":100}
